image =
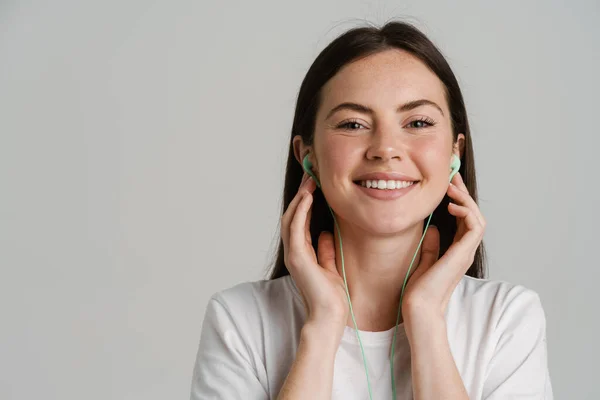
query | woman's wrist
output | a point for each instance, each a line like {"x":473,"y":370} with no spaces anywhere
{"x":311,"y":374}
{"x":322,"y":337}
{"x":423,"y":323}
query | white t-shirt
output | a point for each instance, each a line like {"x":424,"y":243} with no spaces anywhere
{"x":250,"y":334}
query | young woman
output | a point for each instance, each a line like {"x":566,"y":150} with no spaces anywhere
{"x":378,"y":289}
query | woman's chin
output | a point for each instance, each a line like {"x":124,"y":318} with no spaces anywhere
{"x":385,"y":226}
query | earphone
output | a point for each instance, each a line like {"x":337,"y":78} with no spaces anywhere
{"x":307,"y":166}
{"x":454,"y":166}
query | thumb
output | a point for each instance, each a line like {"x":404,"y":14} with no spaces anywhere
{"x":430,"y":250}
{"x":326,"y":251}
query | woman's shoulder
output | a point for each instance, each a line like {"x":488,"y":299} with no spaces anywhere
{"x":258,"y":291}
{"x":497,"y":331}
{"x":250,"y":330}
{"x":498,"y":304}
{"x":495,"y":292}
{"x":254,"y":302}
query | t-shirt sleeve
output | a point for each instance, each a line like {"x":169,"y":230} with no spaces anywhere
{"x":224,"y":368}
{"x":519,"y":367}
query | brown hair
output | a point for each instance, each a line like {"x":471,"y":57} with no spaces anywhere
{"x":355,"y":44}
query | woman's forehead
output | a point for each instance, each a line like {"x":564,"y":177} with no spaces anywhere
{"x":385,"y":79}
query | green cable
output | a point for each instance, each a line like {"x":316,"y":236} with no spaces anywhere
{"x":350,"y":304}
{"x":399,"y":307}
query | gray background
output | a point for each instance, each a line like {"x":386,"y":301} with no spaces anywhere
{"x":141,"y":168}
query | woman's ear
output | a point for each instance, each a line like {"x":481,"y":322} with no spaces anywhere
{"x":300,"y":149}
{"x":459,"y":146}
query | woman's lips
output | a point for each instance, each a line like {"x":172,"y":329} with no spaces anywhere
{"x":385,"y":194}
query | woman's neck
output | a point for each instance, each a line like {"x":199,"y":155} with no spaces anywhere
{"x":376,"y":268}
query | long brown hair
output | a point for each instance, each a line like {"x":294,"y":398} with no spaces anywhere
{"x":351,"y":46}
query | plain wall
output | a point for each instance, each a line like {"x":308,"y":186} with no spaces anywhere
{"x":142,"y":151}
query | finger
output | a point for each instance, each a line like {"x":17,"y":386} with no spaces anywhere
{"x":307,"y":235}
{"x":453,"y":260}
{"x":304,"y":178}
{"x":326,"y":251}
{"x":289,"y":213}
{"x":458,"y":181}
{"x":296,"y":239}
{"x":460,"y":184}
{"x":464,"y":198}
{"x":309,"y":187}
{"x":430,"y":250}
{"x":474,"y":229}
{"x":309,"y":219}
{"x":291,"y":208}
{"x":461,"y":197}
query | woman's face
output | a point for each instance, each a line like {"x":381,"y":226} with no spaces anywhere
{"x":414,"y":141}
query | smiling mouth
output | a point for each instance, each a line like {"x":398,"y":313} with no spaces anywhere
{"x":385,"y":185}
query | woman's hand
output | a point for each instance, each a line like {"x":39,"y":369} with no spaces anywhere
{"x":318,"y":280}
{"x":430,"y":287}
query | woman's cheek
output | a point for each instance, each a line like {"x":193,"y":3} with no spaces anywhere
{"x":434,"y":167}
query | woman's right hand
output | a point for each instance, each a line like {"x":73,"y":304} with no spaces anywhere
{"x":318,"y":280}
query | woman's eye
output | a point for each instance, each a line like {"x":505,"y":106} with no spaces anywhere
{"x":350,"y":125}
{"x":421,"y":123}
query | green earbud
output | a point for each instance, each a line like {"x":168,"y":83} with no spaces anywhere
{"x":307,"y":165}
{"x":454,"y":166}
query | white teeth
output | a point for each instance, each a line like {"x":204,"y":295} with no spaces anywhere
{"x":385,"y":185}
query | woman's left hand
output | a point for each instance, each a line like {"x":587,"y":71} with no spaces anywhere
{"x":429,"y":288}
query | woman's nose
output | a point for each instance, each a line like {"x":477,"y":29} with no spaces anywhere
{"x":385,"y":144}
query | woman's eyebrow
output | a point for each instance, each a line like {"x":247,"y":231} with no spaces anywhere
{"x":364,"y":109}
